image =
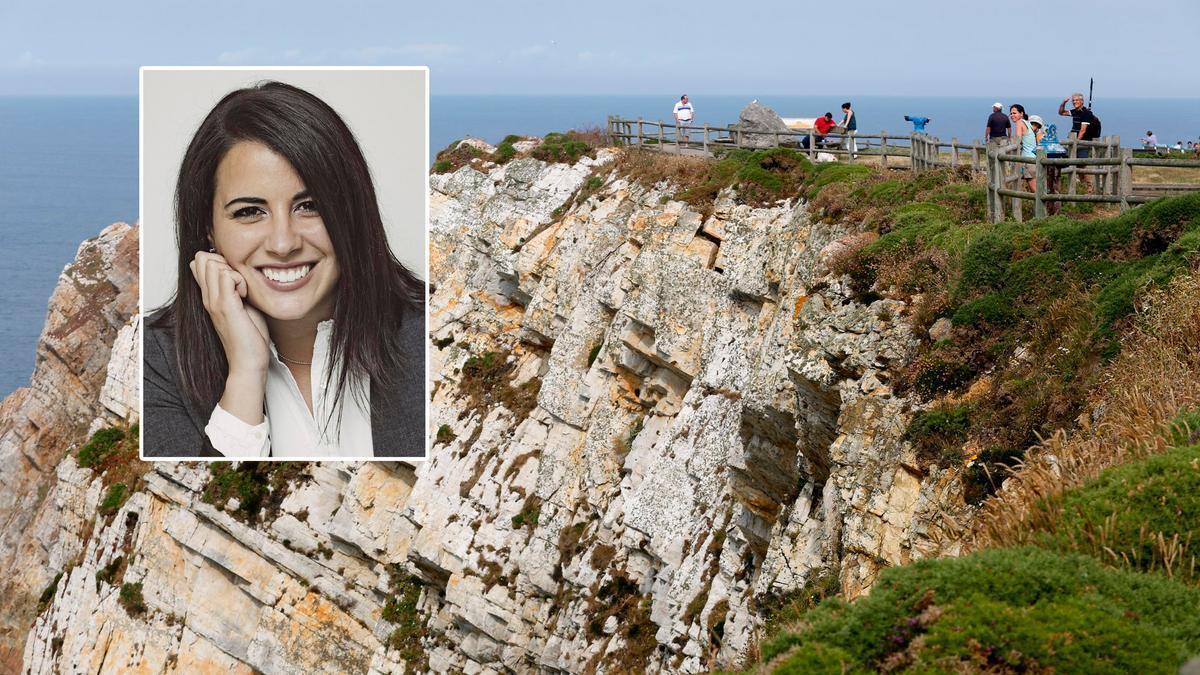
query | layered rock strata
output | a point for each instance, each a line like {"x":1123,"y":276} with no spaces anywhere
{"x":715,"y":424}
{"x":94,"y":299}
{"x":650,"y":419}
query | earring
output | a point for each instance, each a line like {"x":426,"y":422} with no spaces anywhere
{"x":212,"y":249}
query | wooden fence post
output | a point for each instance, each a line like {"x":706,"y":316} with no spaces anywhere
{"x":1075,"y":170}
{"x":706,"y":138}
{"x":1039,"y":203}
{"x":660,"y":136}
{"x":1125,"y":178}
{"x":640,"y":140}
{"x":883,"y":149}
{"x":991,"y":188}
{"x":812,"y":144}
{"x":975,"y":157}
{"x":953,"y":153}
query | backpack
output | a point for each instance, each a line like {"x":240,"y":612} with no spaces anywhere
{"x":1094,"y":130}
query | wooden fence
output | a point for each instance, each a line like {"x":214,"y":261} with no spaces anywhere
{"x":1109,"y":166}
{"x":707,"y":139}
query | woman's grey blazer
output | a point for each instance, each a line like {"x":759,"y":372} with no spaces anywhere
{"x":173,"y":427}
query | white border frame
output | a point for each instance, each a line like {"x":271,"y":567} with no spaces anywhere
{"x":142,"y":310}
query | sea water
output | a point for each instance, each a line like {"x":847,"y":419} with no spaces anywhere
{"x":68,"y":169}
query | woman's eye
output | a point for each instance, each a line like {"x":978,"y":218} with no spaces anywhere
{"x":247,"y":212}
{"x":307,"y":206}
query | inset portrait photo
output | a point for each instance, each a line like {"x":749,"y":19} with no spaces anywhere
{"x":284,"y":264}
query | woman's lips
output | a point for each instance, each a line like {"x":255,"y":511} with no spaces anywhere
{"x":287,"y":278}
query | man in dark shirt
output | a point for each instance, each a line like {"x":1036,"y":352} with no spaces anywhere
{"x":1083,"y":127}
{"x":997,"y":124}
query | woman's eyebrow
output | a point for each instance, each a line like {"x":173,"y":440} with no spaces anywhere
{"x":248,"y":200}
{"x":303,"y":194}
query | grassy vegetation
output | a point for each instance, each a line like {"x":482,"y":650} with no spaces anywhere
{"x":1037,"y":307}
{"x":487,"y":381}
{"x":401,"y":610}
{"x":131,"y":599}
{"x":1010,"y":610}
{"x":455,"y":156}
{"x":259,"y":487}
{"x":1111,"y":586}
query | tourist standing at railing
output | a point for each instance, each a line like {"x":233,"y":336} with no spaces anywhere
{"x":850,"y":124}
{"x":1150,"y":141}
{"x":683,"y":117}
{"x":1023,"y":132}
{"x":997,"y":125}
{"x":1084,"y":127}
{"x":1053,"y":171}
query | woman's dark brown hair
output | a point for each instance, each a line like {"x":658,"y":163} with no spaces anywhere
{"x":373,"y":291}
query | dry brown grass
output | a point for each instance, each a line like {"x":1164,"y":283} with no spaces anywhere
{"x":1165,"y":174}
{"x":1156,"y":374}
{"x":651,"y":168}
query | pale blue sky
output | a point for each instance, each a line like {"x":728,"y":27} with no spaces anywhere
{"x":938,"y":47}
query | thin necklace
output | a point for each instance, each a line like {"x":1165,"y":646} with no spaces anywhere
{"x":299,"y":363}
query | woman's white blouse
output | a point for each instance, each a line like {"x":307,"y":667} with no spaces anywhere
{"x":288,"y":429}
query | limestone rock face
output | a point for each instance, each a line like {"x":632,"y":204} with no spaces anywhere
{"x":758,"y":117}
{"x":715,"y":424}
{"x":650,"y":419}
{"x":95,"y":297}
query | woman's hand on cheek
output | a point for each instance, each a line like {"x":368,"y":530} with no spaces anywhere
{"x":241,"y":328}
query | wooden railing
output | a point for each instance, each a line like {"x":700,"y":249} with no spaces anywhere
{"x":1109,"y":165}
{"x":708,"y":139}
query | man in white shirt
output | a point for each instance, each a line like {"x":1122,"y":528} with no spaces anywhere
{"x":683,"y":117}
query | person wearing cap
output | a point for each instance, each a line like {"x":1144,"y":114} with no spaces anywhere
{"x":683,"y":117}
{"x":997,"y":124}
{"x":1053,"y":171}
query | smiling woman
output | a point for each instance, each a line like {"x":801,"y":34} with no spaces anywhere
{"x":294,"y":331}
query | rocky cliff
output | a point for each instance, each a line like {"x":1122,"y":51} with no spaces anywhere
{"x":714,"y":423}
{"x":72,"y":387}
{"x":650,"y":418}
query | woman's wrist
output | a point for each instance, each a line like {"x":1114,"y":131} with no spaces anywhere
{"x":244,"y":393}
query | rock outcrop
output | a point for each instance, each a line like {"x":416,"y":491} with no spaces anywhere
{"x":95,"y":297}
{"x":761,"y":122}
{"x":715,"y":424}
{"x":649,"y":420}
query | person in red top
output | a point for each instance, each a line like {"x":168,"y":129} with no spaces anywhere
{"x":821,"y":127}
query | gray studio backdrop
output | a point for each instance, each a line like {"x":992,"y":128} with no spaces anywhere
{"x":385,"y":108}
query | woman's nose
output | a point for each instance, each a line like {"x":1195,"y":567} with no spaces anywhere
{"x":284,"y":238}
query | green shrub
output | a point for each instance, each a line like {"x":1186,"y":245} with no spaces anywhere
{"x":48,"y":593}
{"x":100,"y":445}
{"x":831,"y":172}
{"x":1025,"y":609}
{"x":559,"y":147}
{"x":1123,"y":512}
{"x":940,"y":432}
{"x":131,"y":598}
{"x":401,"y":609}
{"x":113,"y":499}
{"x":259,"y":487}
{"x":445,"y":434}
{"x":504,"y":152}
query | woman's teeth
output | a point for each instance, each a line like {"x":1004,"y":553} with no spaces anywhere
{"x":286,"y":275}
